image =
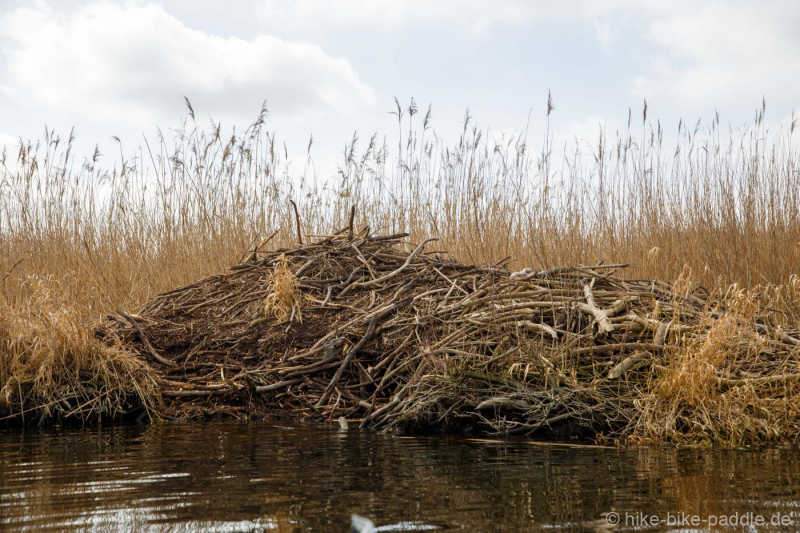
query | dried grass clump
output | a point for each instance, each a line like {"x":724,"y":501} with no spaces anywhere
{"x":284,"y":297}
{"x":727,"y":385}
{"x":53,"y":368}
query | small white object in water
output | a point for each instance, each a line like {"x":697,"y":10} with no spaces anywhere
{"x":342,"y":422}
{"x":359,"y":524}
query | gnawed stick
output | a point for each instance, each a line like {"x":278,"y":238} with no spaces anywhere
{"x":604,"y":325}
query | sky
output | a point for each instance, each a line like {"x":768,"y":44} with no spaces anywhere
{"x":331,"y":68}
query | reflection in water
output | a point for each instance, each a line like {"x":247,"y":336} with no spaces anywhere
{"x":232,"y":476}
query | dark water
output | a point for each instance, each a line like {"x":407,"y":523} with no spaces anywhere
{"x":250,"y":476}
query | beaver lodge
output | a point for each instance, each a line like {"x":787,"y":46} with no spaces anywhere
{"x":401,"y":337}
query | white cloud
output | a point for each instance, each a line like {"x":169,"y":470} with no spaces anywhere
{"x":132,"y":64}
{"x":691,"y":53}
{"x":607,"y":33}
{"x":475,"y":15}
{"x":722,"y":54}
{"x":586,"y":132}
{"x":119,"y":67}
{"x":8,"y":141}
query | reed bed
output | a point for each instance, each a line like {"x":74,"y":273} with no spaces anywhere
{"x":53,"y":368}
{"x":188,"y":203}
{"x":721,"y":203}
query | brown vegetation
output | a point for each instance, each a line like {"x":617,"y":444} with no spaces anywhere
{"x":417,"y":340}
{"x":723,"y":207}
{"x":52,"y":367}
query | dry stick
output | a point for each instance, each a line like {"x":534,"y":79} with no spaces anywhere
{"x":146,"y":342}
{"x":391,"y":373}
{"x":210,"y":302}
{"x":318,"y":346}
{"x":392,"y":355}
{"x":620,"y":305}
{"x":394,"y":273}
{"x":297,"y":219}
{"x":305,"y":267}
{"x":626,"y":364}
{"x":469,"y":303}
{"x":604,"y":325}
{"x":450,"y":281}
{"x":764,"y":380}
{"x":352,"y":218}
{"x":278,"y":385}
{"x":567,"y":269}
{"x":328,"y":296}
{"x":542,"y":328}
{"x":328,"y":239}
{"x":12,"y":270}
{"x":363,"y":260}
{"x":266,"y":241}
{"x":193,"y":393}
{"x":393,"y":237}
{"x":191,"y":386}
{"x":355,"y":349}
{"x":315,"y":369}
{"x":347,"y":284}
{"x":620,"y":347}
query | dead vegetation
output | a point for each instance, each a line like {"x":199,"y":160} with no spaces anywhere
{"x":723,"y":201}
{"x":737,"y":383}
{"x":405,"y":339}
{"x":52,"y":367}
{"x":675,"y":362}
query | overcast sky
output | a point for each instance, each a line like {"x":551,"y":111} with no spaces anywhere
{"x":330,"y":68}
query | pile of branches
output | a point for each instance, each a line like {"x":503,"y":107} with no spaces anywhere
{"x":375,"y":329}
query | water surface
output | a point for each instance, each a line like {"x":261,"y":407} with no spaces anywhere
{"x":235,"y":476}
